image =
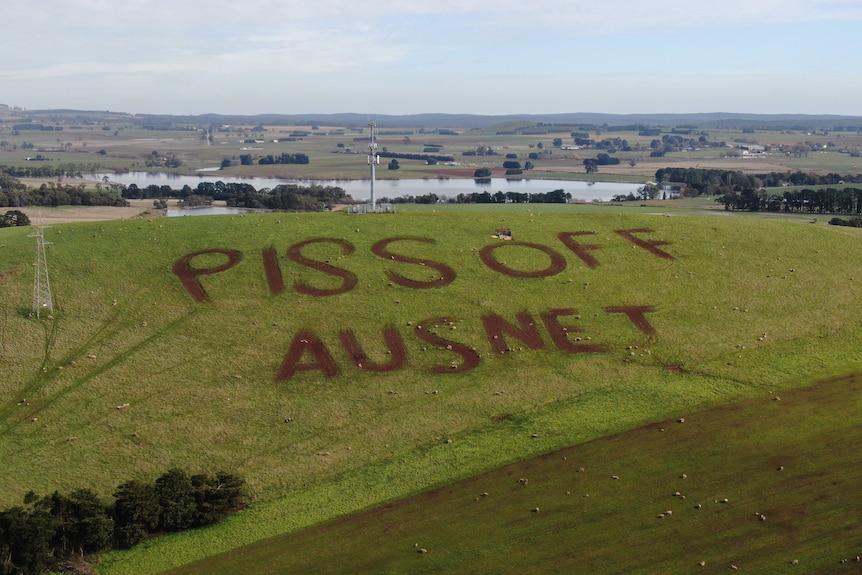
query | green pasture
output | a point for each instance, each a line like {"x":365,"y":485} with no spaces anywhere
{"x":766,"y":485}
{"x":741,"y":307}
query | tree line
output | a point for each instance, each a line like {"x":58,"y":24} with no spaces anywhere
{"x":500,"y":197}
{"x":289,"y":197}
{"x":70,"y":170}
{"x":52,"y":531}
{"x":427,"y":158}
{"x":746,"y":192}
{"x":710,"y":181}
{"x":829,"y":200}
{"x":284,"y":158}
{"x":53,"y":195}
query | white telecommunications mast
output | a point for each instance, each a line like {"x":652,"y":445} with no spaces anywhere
{"x":373,"y":160}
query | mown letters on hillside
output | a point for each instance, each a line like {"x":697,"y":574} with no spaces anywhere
{"x":307,"y":352}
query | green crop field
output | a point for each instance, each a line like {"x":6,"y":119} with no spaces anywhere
{"x":338,"y":362}
{"x":697,"y":493}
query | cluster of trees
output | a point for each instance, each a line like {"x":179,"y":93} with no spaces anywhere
{"x":51,"y":194}
{"x":46,"y":532}
{"x":427,"y":158}
{"x":156,"y":160}
{"x":591,"y":165}
{"x":14,"y":218}
{"x":284,"y":158}
{"x":706,"y":181}
{"x":513,"y":167}
{"x":776,"y":179}
{"x":553,"y":197}
{"x":192,"y":201}
{"x":216,"y":190}
{"x":408,"y":199}
{"x":9,"y":183}
{"x":482,"y":150}
{"x":70,"y":170}
{"x":645,"y":192}
{"x":851,"y":222}
{"x":746,"y":192}
{"x":292,"y":197}
{"x":821,"y":201}
{"x":36,"y":127}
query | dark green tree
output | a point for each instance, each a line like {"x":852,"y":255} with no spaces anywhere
{"x":216,"y":497}
{"x":14,"y":218}
{"x":176,"y":496}
{"x":136,"y":512}
{"x":25,"y":541}
{"x":82,"y":524}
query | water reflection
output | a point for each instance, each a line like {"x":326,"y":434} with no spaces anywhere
{"x":359,"y":189}
{"x":209,"y":211}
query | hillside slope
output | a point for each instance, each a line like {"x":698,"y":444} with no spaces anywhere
{"x":339,"y":361}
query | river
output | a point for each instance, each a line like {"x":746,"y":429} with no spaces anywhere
{"x":360,"y":189}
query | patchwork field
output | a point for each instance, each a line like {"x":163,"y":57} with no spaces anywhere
{"x":110,"y":142}
{"x":338,"y":362}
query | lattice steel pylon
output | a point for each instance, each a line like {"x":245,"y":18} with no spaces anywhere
{"x":42,"y":300}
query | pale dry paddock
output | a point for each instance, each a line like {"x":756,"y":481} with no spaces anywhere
{"x":68,"y":214}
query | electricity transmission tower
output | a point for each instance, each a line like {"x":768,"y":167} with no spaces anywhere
{"x":42,"y":300}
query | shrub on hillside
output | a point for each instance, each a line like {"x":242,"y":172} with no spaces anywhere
{"x":14,"y":218}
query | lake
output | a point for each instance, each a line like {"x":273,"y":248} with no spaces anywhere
{"x":359,"y":189}
{"x":209,"y":211}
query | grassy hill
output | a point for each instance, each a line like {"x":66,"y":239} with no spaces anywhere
{"x":630,"y":319}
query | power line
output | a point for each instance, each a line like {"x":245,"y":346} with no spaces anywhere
{"x":42,"y":300}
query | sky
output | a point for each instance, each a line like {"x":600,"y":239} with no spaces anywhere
{"x":442,"y":56}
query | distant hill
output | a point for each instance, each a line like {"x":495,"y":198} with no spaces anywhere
{"x":476,"y":121}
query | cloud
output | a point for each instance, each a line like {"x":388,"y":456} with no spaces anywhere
{"x":150,"y":18}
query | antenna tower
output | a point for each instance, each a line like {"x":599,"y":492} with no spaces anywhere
{"x":42,"y":300}
{"x":373,"y":160}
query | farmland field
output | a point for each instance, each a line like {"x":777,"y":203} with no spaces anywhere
{"x":115,"y":142}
